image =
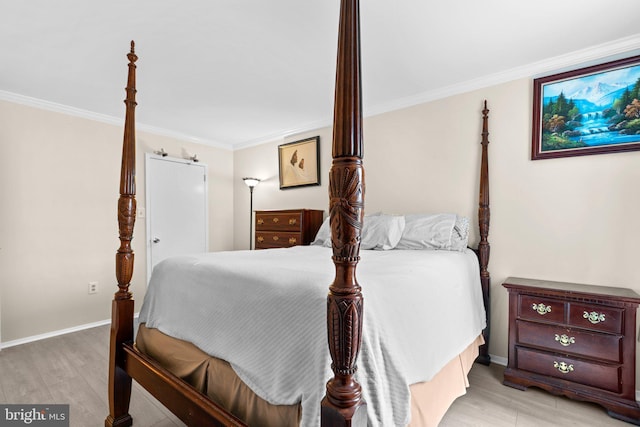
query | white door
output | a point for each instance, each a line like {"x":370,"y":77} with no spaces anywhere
{"x":176,"y":192}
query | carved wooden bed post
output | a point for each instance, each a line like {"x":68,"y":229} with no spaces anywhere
{"x":343,"y":404}
{"x":122,"y":305}
{"x":484,"y":216}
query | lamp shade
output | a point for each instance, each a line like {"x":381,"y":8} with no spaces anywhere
{"x":251,"y":182}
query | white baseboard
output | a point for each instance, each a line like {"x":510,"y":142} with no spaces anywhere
{"x":498,"y":360}
{"x":56,"y":333}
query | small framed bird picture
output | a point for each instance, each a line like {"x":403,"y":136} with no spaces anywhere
{"x":299,"y":163}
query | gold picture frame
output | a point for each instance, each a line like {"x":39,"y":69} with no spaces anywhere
{"x":299,"y":163}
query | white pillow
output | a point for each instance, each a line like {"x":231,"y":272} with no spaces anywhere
{"x":324,"y":234}
{"x":460,"y":235}
{"x":379,"y":231}
{"x":434,"y":231}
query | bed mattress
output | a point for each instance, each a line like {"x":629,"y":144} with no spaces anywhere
{"x":215,"y":378}
{"x":422,"y":308}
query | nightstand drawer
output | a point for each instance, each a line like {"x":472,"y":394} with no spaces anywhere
{"x":600,"y":318}
{"x":562,"y":340}
{"x":587,"y":353}
{"x":276,"y":239}
{"x":278,"y":221}
{"x":541,"y":308}
{"x":603,"y":376}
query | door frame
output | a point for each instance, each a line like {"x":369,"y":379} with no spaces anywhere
{"x":147,"y":159}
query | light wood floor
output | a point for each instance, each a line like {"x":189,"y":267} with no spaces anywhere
{"x":72,"y":369}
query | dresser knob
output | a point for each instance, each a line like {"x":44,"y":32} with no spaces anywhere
{"x":260,"y":239}
{"x":292,"y":221}
{"x":565,"y":340}
{"x":260,"y":221}
{"x":541,"y":309}
{"x":292,"y":240}
{"x":563,"y":367}
{"x":594,"y":317}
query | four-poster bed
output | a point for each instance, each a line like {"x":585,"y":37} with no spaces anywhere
{"x":343,"y":403}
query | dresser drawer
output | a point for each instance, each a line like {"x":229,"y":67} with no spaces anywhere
{"x":563,"y":340}
{"x":541,"y":308}
{"x":285,"y":228}
{"x":599,"y":375}
{"x":278,"y":221}
{"x":276,"y":239}
{"x":601,"y":318}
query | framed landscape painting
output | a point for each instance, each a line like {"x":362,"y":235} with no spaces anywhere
{"x":591,"y":110}
{"x":299,"y":163}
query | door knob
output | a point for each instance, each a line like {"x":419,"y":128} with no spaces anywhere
{"x":156,"y":240}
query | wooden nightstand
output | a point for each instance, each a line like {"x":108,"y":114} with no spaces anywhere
{"x":574,"y":340}
{"x":285,"y":228}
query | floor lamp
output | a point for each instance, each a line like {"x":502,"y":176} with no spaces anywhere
{"x":251,"y":183}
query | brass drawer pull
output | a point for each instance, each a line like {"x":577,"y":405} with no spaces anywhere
{"x":276,"y":238}
{"x":260,"y":239}
{"x":293,"y":240}
{"x":563,"y":367}
{"x":260,"y":221}
{"x":292,"y":221}
{"x":565,"y":340}
{"x":541,"y":309}
{"x":276,"y":220}
{"x":594,"y":317}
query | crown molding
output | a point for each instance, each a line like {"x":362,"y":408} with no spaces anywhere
{"x":616,"y":49}
{"x":104,"y":118}
{"x":628,"y":46}
{"x":58,"y":108}
{"x":183,"y":137}
{"x":283,"y":134}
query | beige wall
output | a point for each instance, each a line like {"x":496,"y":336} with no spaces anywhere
{"x":567,"y":219}
{"x":564,"y":219}
{"x":58,"y":230}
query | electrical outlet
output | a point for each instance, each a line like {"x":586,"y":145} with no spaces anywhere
{"x":141,"y":212}
{"x":93,"y":287}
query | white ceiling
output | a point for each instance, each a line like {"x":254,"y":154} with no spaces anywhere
{"x":234,"y":73}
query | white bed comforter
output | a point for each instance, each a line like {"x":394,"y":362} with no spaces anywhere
{"x":265,"y":313}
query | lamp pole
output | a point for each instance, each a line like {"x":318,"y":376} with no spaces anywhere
{"x":250,"y":216}
{"x":251,"y":183}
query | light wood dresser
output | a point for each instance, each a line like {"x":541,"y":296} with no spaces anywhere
{"x":286,"y":228}
{"x":574,"y":340}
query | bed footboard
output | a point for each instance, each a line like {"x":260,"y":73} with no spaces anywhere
{"x":343,"y":404}
{"x":484,"y":218}
{"x":187,"y":403}
{"x":122,"y":306}
{"x":125,"y":362}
